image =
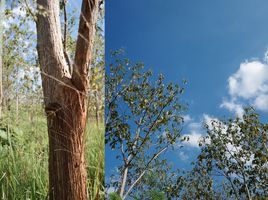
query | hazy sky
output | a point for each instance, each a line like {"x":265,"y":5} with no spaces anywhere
{"x":218,"y":46}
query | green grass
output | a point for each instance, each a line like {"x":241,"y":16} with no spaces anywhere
{"x":24,"y":159}
{"x":95,"y":158}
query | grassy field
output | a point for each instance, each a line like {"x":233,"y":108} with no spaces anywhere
{"x":24,"y":157}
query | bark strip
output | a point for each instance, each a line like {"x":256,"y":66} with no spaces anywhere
{"x":65,"y":98}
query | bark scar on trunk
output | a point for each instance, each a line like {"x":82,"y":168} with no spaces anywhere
{"x":52,"y":108}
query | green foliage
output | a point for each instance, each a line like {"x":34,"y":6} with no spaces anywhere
{"x":20,"y":69}
{"x":23,"y":131}
{"x":143,"y":118}
{"x":24,"y":160}
{"x":8,"y":134}
{"x":97,"y":74}
{"x":114,"y":196}
{"x":96,"y":93}
{"x":235,"y":151}
{"x":196,"y":184}
{"x":23,"y":168}
{"x":95,"y":160}
{"x":156,"y":195}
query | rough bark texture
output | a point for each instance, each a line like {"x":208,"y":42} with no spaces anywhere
{"x":65,"y":97}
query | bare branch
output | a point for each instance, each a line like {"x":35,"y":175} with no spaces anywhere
{"x":144,"y":171}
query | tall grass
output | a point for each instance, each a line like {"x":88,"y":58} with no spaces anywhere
{"x":95,"y":160}
{"x":24,"y":158}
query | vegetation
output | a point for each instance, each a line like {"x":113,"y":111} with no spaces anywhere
{"x":24,"y":143}
{"x":24,"y":157}
{"x":233,"y":160}
{"x":143,"y":119}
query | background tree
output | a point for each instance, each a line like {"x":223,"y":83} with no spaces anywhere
{"x":143,"y":118}
{"x":20,"y":72}
{"x":2,"y":6}
{"x":65,"y":96}
{"x":97,"y":75}
{"x":233,"y":159}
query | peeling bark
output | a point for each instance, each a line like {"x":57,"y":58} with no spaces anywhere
{"x":65,"y":97}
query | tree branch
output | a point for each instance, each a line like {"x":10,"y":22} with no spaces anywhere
{"x":65,"y":26}
{"x":84,"y":44}
{"x":49,"y":46}
{"x":156,"y":155}
{"x":28,"y":8}
{"x":149,"y":131}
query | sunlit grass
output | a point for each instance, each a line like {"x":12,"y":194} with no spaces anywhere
{"x":24,"y":160}
{"x":95,"y":161}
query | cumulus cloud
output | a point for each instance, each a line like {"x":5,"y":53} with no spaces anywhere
{"x":194,"y":139}
{"x":250,"y":80}
{"x":208,"y":120}
{"x":233,"y":107}
{"x":187,"y":118}
{"x":261,"y":102}
{"x":194,"y":135}
{"x":196,"y":130}
{"x":248,"y":84}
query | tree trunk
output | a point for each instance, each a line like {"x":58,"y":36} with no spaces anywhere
{"x":65,"y":97}
{"x":123,"y":182}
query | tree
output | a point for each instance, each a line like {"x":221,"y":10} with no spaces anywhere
{"x":2,"y":6}
{"x":233,"y":160}
{"x":65,"y":96}
{"x":142,"y":122}
{"x":97,"y":75}
{"x":197,"y":184}
{"x":20,"y":71}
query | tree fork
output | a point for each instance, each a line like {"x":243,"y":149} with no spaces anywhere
{"x":65,"y":97}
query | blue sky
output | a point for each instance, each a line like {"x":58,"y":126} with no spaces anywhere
{"x":219,"y":47}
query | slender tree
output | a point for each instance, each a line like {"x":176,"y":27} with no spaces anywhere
{"x":65,"y":96}
{"x":2,"y":5}
{"x":143,"y":121}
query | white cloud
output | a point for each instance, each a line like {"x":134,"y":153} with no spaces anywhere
{"x":233,"y":106}
{"x":261,"y":102}
{"x":187,"y":118}
{"x":209,"y":119}
{"x":250,"y":80}
{"x":196,"y":131}
{"x":194,"y":135}
{"x":195,"y":126}
{"x":194,"y":139}
{"x":248,"y":84}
